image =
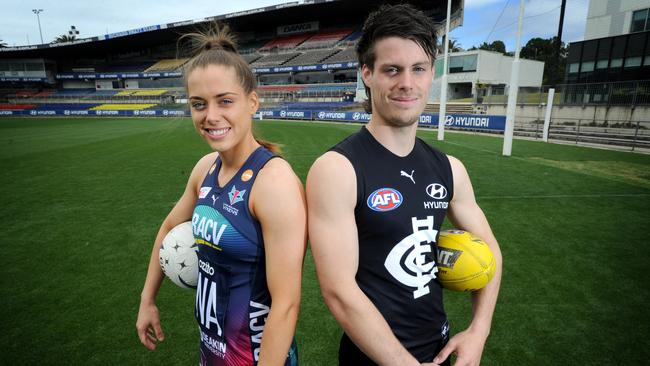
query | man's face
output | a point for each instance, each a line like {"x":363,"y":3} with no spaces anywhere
{"x":400,"y":81}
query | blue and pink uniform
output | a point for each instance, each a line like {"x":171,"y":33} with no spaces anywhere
{"x":232,"y":297}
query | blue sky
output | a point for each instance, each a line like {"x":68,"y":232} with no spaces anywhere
{"x":91,"y":17}
{"x":541,"y":17}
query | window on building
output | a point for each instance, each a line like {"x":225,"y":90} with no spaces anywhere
{"x":462,"y":63}
{"x":640,"y":21}
{"x":646,"y":62}
{"x":616,"y":62}
{"x":633,"y":61}
{"x":602,"y":64}
{"x":4,"y":66}
{"x":587,"y":66}
{"x":573,"y":68}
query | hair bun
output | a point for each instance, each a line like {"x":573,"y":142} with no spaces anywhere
{"x":220,"y":41}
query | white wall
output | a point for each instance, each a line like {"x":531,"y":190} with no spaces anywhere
{"x":492,"y":69}
{"x":103,"y":84}
{"x":495,"y":68}
{"x":131,"y":84}
{"x":608,"y":18}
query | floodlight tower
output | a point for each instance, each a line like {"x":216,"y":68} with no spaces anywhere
{"x":38,"y":18}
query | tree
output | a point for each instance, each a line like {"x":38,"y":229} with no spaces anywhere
{"x":496,"y":46}
{"x":454,"y":45}
{"x":544,"y":50}
{"x":3,"y":44}
{"x":64,"y":38}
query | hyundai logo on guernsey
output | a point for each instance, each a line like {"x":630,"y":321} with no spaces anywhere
{"x":384,"y":199}
{"x":438,"y":192}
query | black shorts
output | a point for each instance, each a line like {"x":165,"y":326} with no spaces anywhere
{"x":351,"y":355}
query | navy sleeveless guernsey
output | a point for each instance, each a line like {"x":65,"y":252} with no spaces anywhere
{"x":232,"y":297}
{"x":401,"y":204}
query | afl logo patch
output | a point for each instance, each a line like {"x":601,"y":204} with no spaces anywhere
{"x":384,"y":199}
{"x":204,"y":192}
{"x":246,"y":175}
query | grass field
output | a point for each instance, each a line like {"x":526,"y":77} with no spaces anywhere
{"x":81,"y":201}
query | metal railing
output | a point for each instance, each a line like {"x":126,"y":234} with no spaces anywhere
{"x":622,"y":93}
{"x":632,"y":135}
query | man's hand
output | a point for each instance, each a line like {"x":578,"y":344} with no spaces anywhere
{"x":466,"y":345}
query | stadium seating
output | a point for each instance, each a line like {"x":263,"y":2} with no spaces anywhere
{"x":275,"y":59}
{"x":310,"y":57}
{"x":105,"y":93}
{"x":325,"y":39}
{"x":167,"y":65}
{"x":314,"y":105}
{"x":72,"y":92}
{"x":16,"y":107}
{"x":26,"y":93}
{"x":351,"y":39}
{"x":347,"y":55}
{"x":125,"y":68}
{"x":122,"y":107}
{"x":64,"y":106}
{"x":141,"y":92}
{"x":280,"y":88}
{"x":330,"y":87}
{"x":45,"y":93}
{"x":284,"y":43}
{"x":251,"y":57}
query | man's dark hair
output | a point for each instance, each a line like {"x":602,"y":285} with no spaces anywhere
{"x":403,"y":21}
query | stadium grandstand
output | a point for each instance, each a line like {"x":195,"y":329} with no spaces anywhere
{"x":302,"y":53}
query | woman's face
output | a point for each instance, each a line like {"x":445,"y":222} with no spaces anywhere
{"x":221,"y":109}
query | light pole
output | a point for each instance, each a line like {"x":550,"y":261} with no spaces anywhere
{"x":38,"y":11}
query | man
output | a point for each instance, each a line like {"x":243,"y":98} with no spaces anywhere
{"x":372,"y":224}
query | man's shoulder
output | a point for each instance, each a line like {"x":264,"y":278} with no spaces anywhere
{"x":349,"y":143}
{"x":331,"y":161}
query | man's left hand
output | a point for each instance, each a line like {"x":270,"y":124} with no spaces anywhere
{"x":466,"y":345}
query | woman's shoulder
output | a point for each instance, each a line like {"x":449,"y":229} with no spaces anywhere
{"x":202,"y":166}
{"x":275,"y":171}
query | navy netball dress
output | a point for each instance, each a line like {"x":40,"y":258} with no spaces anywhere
{"x":232,"y":296}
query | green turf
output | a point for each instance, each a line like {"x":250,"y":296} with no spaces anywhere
{"x":81,"y":200}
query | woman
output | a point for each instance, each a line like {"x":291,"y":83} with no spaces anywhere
{"x":248,"y":215}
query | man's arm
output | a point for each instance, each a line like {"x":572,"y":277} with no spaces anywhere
{"x":331,"y":198}
{"x":465,"y":214}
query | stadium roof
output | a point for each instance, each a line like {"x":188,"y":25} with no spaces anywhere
{"x":328,"y":13}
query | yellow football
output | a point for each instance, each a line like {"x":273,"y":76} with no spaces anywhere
{"x":465,"y":262}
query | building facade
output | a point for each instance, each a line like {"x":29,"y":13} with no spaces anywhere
{"x":616,"y":45}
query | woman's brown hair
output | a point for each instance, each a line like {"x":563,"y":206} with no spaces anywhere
{"x":216,"y":45}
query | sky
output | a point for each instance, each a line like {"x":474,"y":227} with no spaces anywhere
{"x":484,"y":20}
